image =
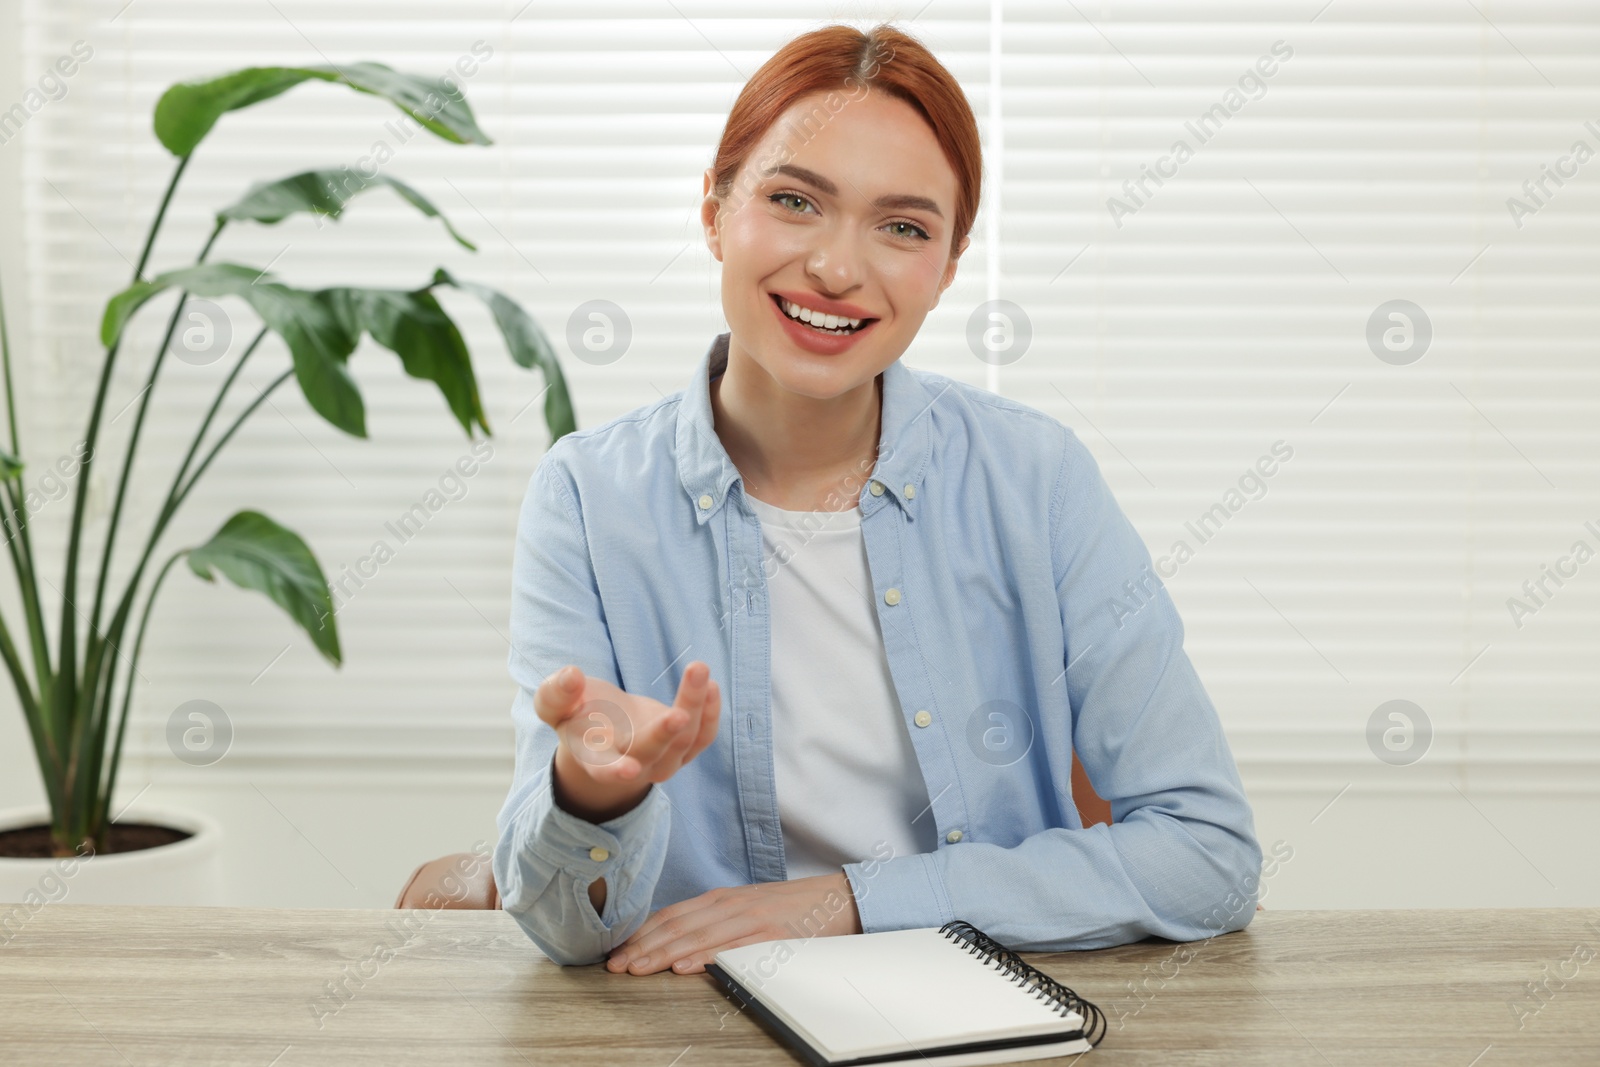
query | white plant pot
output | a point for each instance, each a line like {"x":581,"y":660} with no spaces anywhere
{"x":187,"y":872}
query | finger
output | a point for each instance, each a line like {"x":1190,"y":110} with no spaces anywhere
{"x":699,"y":941}
{"x":691,"y":687}
{"x":691,"y":698}
{"x":649,"y":930}
{"x":710,"y":717}
{"x":685,"y":927}
{"x":650,"y":742}
{"x":653,"y":745}
{"x":695,"y":962}
{"x":672,"y":759}
{"x":678,"y":750}
{"x":559,"y":695}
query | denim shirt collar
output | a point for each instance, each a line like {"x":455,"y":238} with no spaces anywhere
{"x":707,"y":474}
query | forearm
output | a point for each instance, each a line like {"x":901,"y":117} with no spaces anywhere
{"x":1060,"y":889}
{"x":578,"y":888}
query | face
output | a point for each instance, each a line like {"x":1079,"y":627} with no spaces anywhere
{"x":846,"y":207}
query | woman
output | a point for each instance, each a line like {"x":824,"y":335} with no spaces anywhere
{"x":918,"y":597}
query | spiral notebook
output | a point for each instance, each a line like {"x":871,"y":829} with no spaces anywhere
{"x":945,"y":997}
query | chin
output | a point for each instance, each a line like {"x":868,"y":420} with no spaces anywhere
{"x":819,"y":377}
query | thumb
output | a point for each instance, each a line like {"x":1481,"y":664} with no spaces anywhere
{"x":559,"y":695}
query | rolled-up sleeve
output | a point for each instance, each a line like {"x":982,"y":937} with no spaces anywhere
{"x":545,"y":857}
{"x":1181,"y":859}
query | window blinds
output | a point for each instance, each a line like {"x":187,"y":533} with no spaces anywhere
{"x":1313,"y":281}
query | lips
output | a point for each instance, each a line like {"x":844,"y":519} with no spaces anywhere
{"x":865,"y":321}
{"x":808,"y":338}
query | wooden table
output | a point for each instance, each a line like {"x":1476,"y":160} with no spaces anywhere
{"x":81,"y":984}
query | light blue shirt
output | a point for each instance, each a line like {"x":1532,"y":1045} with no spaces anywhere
{"x":1021,"y":619}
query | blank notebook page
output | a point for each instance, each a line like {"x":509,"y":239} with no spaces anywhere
{"x":899,"y":990}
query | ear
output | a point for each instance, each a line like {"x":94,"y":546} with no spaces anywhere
{"x":950,"y":270}
{"x":709,"y":207}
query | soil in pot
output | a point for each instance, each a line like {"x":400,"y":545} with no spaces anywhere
{"x":33,"y":842}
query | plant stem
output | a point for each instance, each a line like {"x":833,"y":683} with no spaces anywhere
{"x":223,"y":440}
{"x":127,"y":696}
{"x":205,"y":424}
{"x":11,"y":397}
{"x":30,"y":709}
{"x":101,"y":704}
{"x":114,"y":632}
{"x":27,"y":579}
{"x":22,"y":549}
{"x":119,"y":620}
{"x":133,"y":439}
{"x":161,"y":213}
{"x":97,"y":696}
{"x":113,"y":635}
{"x":67,"y":705}
{"x":22,"y":563}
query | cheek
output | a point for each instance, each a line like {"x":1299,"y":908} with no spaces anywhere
{"x":760,"y":241}
{"x":912,"y":278}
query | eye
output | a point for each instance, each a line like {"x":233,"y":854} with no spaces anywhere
{"x":779,"y":197}
{"x":922,"y":234}
{"x":919,"y":233}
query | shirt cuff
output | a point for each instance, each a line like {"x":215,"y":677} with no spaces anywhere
{"x":575,"y":844}
{"x":903,"y":893}
{"x":614,"y":850}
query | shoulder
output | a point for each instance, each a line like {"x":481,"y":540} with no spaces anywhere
{"x":1021,"y":436}
{"x":613,"y":445}
{"x":622,"y":457}
{"x":1021,"y":455}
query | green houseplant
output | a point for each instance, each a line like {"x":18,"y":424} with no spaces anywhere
{"x":74,"y":692}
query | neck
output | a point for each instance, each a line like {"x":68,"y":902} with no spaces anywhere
{"x":796,"y":452}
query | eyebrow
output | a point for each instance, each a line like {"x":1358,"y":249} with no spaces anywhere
{"x":897,"y":201}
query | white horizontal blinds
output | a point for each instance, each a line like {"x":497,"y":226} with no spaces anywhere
{"x":1186,"y":326}
{"x":603,"y":120}
{"x":1227,"y":312}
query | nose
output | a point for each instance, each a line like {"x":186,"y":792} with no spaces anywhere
{"x":834,"y":263}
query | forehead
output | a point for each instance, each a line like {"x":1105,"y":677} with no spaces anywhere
{"x":871,"y":140}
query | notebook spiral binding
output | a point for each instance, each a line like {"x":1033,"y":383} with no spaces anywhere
{"x":980,"y":944}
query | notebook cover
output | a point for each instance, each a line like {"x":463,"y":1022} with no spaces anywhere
{"x":815,"y":1058}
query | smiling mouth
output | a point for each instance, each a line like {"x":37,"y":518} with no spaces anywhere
{"x":840,"y":332}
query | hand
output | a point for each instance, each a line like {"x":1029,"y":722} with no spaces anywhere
{"x":686,"y":935}
{"x":613,"y":744}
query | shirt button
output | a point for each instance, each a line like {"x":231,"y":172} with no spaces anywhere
{"x":706,"y":501}
{"x":892,"y":597}
{"x":911,"y":491}
{"x":922,"y":718}
{"x":876,"y":487}
{"x":953,"y":836}
{"x":598,"y":854}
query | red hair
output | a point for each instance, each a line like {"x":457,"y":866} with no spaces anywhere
{"x":842,"y":57}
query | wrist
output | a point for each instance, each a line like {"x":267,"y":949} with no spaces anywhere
{"x":852,"y":914}
{"x":577,"y":793}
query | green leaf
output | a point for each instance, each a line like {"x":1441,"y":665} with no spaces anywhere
{"x":319,"y":344}
{"x":416,"y":328}
{"x":10,"y":466}
{"x":256,"y":553}
{"x":187,"y":111}
{"x":120,"y":308}
{"x":529,"y":347}
{"x":323,"y":193}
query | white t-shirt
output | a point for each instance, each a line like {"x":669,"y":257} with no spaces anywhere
{"x":848,"y":780}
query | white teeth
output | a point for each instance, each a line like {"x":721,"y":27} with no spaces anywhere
{"x":816,"y":318}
